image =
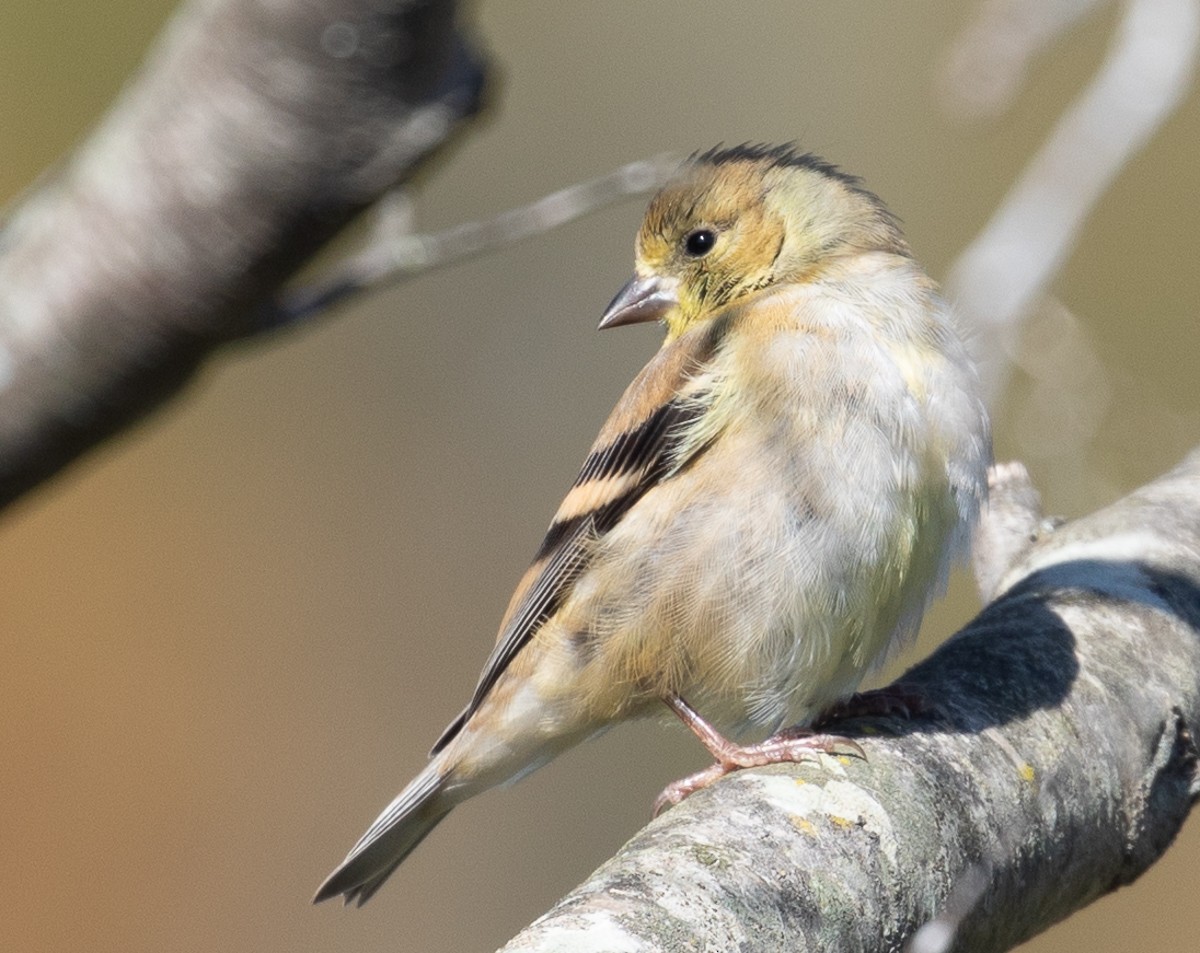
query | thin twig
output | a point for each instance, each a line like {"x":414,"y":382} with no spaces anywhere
{"x":392,"y":254}
{"x":990,"y":59}
{"x":1008,"y":266}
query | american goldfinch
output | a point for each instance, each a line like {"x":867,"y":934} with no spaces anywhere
{"x":765,"y":513}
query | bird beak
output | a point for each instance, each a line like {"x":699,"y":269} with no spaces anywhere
{"x":642,"y":299}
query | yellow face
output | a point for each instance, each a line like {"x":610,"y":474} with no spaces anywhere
{"x":714,"y":234}
{"x":745,"y":219}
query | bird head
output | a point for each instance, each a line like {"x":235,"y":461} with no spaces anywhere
{"x":737,"y":221}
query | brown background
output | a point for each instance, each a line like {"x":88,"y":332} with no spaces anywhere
{"x":230,"y":635}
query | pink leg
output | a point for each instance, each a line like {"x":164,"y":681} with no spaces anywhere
{"x":791,"y":744}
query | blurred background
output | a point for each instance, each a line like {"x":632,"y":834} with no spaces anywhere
{"x":232,"y":633}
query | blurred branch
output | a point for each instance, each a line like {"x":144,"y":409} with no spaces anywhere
{"x":253,"y":134}
{"x":256,"y":132}
{"x":1057,"y":763}
{"x":1012,"y":261}
{"x":393,"y":254}
{"x":990,"y":59}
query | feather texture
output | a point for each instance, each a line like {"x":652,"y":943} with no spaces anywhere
{"x":645,"y":441}
{"x":764,"y":515}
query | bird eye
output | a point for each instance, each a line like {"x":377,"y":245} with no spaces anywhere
{"x":700,"y":242}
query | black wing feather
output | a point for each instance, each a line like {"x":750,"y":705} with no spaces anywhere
{"x":650,"y":450}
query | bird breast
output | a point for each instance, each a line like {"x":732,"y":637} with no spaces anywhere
{"x":807,"y":538}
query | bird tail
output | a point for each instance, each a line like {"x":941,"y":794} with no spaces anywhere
{"x":401,"y":827}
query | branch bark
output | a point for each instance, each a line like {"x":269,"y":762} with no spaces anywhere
{"x":1057,"y":762}
{"x":254,"y":133}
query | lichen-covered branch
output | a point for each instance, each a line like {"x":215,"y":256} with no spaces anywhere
{"x":253,"y":134}
{"x":1056,"y":762}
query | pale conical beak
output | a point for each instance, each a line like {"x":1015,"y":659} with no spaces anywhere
{"x":642,"y":299}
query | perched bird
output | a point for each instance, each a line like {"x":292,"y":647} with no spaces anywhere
{"x":765,"y":513}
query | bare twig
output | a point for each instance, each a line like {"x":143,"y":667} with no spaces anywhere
{"x":1011,"y":262}
{"x":393,"y":254}
{"x":990,"y":59}
{"x":1011,"y":524}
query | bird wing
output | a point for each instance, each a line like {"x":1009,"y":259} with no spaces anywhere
{"x":650,"y":436}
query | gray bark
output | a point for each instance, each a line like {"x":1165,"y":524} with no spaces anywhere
{"x":1056,"y":762}
{"x":255,"y":132}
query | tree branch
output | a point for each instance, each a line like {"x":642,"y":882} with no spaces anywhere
{"x":1057,"y":763}
{"x":393,"y":253}
{"x":1009,"y":264}
{"x":255,"y":132}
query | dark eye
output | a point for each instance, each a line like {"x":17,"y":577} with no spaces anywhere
{"x":700,"y":242}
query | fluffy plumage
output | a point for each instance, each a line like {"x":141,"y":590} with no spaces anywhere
{"x":765,"y":513}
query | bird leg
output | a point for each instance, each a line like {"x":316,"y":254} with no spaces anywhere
{"x":789,"y":745}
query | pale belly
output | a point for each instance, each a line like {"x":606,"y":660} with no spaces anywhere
{"x":764,"y":601}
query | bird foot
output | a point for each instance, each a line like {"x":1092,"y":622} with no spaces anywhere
{"x":790,"y":745}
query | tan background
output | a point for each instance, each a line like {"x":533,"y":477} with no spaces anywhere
{"x":230,"y":635}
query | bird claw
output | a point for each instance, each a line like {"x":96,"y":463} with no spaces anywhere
{"x":791,"y":745}
{"x":676,"y":791}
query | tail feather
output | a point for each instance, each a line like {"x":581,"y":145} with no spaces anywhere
{"x":401,"y":827}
